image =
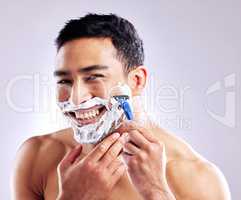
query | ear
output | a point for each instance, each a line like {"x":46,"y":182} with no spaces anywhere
{"x":137,"y":80}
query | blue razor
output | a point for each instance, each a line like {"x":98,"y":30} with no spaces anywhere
{"x":123,"y":100}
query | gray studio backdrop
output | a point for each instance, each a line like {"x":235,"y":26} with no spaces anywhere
{"x":192,"y":51}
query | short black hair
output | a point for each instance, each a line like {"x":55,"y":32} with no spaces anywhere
{"x":122,"y":33}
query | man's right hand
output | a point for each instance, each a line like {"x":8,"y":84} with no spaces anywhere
{"x":94,"y":176}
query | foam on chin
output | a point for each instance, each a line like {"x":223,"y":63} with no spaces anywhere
{"x":93,"y":133}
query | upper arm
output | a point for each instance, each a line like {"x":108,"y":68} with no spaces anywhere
{"x":25,"y":183}
{"x":198,"y":180}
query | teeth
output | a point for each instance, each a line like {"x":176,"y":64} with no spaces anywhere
{"x":87,"y":115}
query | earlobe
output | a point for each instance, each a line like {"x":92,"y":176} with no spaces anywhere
{"x":137,"y":80}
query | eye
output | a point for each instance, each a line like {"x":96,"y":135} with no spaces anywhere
{"x":64,"y":82}
{"x":93,"y":77}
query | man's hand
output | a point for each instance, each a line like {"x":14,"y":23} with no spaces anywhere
{"x":146,"y":160}
{"x":94,"y":176}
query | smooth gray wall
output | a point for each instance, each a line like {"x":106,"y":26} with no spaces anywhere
{"x":191,"y":47}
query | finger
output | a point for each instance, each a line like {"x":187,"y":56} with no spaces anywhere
{"x":102,"y":148}
{"x":71,"y":156}
{"x":147,"y":134}
{"x":117,"y":174}
{"x":138,"y":139}
{"x":131,"y":148}
{"x":132,"y":125}
{"x":114,"y":150}
{"x":115,"y":164}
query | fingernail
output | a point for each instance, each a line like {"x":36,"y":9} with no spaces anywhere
{"x":116,"y":135}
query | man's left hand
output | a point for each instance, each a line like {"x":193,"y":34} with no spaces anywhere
{"x":146,"y":161}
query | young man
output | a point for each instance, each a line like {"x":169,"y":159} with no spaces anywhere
{"x":94,"y":53}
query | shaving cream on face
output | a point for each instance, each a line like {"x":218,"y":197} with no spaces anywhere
{"x":120,"y":90}
{"x":108,"y":122}
{"x":95,"y":132}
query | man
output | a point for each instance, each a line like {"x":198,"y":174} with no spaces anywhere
{"x":95,"y":53}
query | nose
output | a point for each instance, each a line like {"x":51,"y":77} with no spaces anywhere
{"x":79,"y":93}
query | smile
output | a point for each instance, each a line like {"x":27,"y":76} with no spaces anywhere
{"x":87,"y":116}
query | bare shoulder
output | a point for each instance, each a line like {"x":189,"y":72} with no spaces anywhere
{"x":34,"y":159}
{"x":191,"y":176}
{"x":197,"y":179}
{"x":46,"y":148}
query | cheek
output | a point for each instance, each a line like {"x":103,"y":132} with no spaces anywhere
{"x":63,"y":93}
{"x":100,"y":90}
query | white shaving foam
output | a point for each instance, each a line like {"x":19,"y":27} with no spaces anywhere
{"x":93,"y":133}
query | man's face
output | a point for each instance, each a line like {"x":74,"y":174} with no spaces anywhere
{"x":87,"y":68}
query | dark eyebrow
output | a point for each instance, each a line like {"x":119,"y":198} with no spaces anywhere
{"x":61,"y":73}
{"x":92,"y":68}
{"x":81,"y":70}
